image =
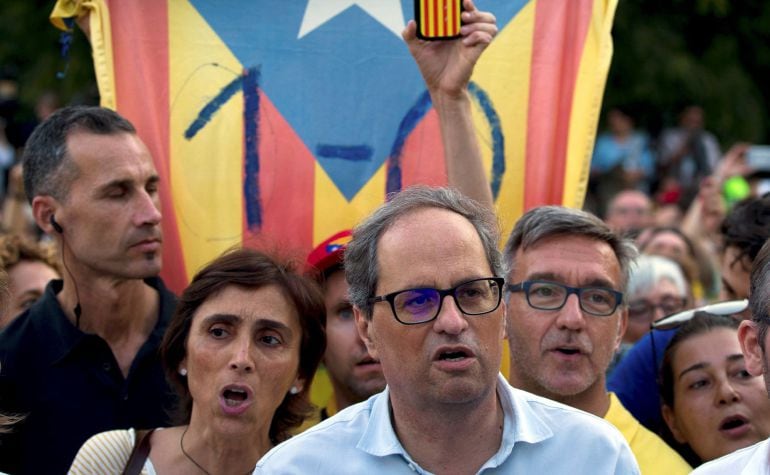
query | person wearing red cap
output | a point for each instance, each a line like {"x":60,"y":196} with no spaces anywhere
{"x":353,"y":373}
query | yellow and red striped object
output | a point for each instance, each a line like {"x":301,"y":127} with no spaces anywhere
{"x":438,"y":18}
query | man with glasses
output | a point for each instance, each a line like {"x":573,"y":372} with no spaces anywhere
{"x":753,"y":336}
{"x":425,"y":280}
{"x":566,"y":319}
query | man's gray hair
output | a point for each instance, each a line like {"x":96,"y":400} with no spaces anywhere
{"x":759,"y":292}
{"x":47,"y":168}
{"x":361,"y":269}
{"x":548,"y":221}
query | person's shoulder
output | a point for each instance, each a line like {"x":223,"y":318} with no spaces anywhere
{"x":736,"y":461}
{"x":31,"y":336}
{"x":22,"y":333}
{"x":551,"y":427}
{"x":335,"y":435}
{"x":652,"y":454}
{"x":106,"y":452}
{"x":560,"y":416}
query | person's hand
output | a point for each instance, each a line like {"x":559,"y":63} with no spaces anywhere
{"x":712,"y":205}
{"x":733,"y":163}
{"x":447,"y":65}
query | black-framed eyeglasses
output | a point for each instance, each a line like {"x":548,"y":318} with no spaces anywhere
{"x":643,"y":309}
{"x":721,"y":308}
{"x":421,"y":305}
{"x":547,"y":295}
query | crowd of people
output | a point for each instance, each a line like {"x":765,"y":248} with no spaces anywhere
{"x":442,"y":353}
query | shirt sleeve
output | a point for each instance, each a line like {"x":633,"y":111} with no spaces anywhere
{"x":104,"y":453}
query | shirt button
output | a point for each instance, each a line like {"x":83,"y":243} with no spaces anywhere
{"x":106,"y":366}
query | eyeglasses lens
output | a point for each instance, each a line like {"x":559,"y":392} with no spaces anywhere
{"x":477,"y":297}
{"x":472,"y":298}
{"x":552,"y":296}
{"x":418,"y":305}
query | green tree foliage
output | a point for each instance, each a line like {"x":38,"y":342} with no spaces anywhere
{"x":670,"y":53}
{"x":30,"y":52}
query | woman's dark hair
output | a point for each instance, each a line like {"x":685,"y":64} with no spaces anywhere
{"x":746,"y":227}
{"x":248,"y":268}
{"x":701,"y":322}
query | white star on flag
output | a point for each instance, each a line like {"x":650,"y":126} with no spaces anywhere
{"x":387,"y":12}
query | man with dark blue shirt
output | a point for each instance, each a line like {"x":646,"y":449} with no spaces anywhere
{"x":84,"y":358}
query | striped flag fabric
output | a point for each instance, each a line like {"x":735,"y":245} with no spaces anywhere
{"x":438,"y":18}
{"x":287,"y":121}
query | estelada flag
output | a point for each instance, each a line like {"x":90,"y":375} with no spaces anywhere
{"x":293,"y":119}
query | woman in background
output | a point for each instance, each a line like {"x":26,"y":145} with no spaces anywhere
{"x":241,"y":349}
{"x":30,"y":266}
{"x":656,"y":287}
{"x":711,"y":404}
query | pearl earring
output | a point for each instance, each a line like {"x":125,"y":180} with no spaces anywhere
{"x":183,"y":371}
{"x":294,"y":390}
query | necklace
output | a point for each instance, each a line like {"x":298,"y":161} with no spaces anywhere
{"x":189,"y":457}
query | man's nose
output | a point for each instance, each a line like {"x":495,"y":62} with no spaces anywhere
{"x":148,"y":209}
{"x":450,"y":319}
{"x":571,"y":316}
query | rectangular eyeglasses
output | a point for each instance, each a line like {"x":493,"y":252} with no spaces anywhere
{"x":546,"y":295}
{"x":421,"y":305}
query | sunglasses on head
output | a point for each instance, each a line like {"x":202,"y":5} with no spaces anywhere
{"x":721,"y":308}
{"x":675,"y":320}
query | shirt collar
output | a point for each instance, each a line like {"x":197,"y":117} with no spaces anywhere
{"x":520,"y":424}
{"x":379,"y":438}
{"x":63,"y":336}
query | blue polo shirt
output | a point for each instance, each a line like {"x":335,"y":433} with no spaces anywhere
{"x":70,"y":387}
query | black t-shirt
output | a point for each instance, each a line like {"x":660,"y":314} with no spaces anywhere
{"x":69,"y":386}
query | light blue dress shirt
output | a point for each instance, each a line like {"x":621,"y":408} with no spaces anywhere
{"x":540,"y":436}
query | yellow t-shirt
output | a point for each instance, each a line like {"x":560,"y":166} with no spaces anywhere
{"x":652,"y":454}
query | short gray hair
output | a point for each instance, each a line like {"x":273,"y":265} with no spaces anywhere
{"x":361,"y":270}
{"x":548,"y":221}
{"x":759,"y":292}
{"x":648,"y":270}
{"x":47,"y":168}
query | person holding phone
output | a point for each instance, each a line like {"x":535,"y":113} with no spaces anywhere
{"x":351,"y":374}
{"x":446,"y":67}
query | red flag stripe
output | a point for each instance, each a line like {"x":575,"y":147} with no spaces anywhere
{"x":141,"y":84}
{"x":559,"y":35}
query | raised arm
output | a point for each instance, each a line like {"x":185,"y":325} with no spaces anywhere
{"x":446,"y":67}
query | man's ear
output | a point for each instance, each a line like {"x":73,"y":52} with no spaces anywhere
{"x":43,"y":207}
{"x":364,"y":328}
{"x":748,"y":336}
